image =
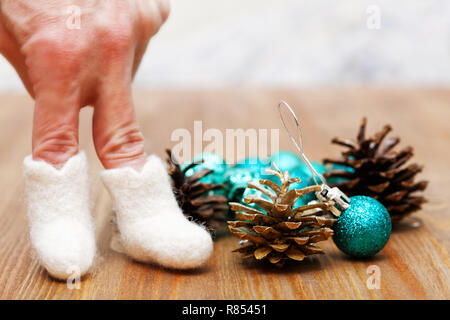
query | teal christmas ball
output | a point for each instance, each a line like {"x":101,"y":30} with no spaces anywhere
{"x":340,"y":167}
{"x":299,"y":202}
{"x":236,"y":180}
{"x":298,"y":173}
{"x":319,"y":167}
{"x":286,"y":160}
{"x":209,"y":157}
{"x":253,"y":164}
{"x":303,"y":172}
{"x":363,"y":229}
{"x":211,"y":161}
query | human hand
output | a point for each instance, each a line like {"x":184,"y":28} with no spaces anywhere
{"x":65,"y":69}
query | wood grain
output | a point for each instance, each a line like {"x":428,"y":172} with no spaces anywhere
{"x":414,"y":264}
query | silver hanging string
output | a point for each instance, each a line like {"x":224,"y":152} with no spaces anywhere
{"x":326,"y":193}
{"x":299,"y":146}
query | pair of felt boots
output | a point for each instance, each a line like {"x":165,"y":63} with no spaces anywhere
{"x":151,"y":225}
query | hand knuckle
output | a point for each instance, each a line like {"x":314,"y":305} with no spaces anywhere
{"x":55,"y":45}
{"x":164,"y":9}
{"x":117,"y":35}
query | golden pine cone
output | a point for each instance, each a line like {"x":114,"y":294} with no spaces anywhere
{"x":281,"y":232}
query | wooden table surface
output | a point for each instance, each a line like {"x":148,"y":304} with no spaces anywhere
{"x":414,"y":264}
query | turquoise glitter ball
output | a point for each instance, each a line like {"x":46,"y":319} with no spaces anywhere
{"x":286,"y":160}
{"x":253,"y":164}
{"x":341,"y":167}
{"x":363,"y":229}
{"x":303,"y":168}
{"x":212,"y":162}
{"x":236,"y":180}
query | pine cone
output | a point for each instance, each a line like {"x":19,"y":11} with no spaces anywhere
{"x":196,"y":198}
{"x":282,"y":232}
{"x":379,"y":172}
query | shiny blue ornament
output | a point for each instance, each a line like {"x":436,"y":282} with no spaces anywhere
{"x":286,"y":160}
{"x":298,"y":173}
{"x":253,"y":164}
{"x":211,"y":161}
{"x":363,"y":229}
{"x":304,"y":170}
{"x":236,"y":180}
{"x":336,"y":180}
{"x":299,"y":202}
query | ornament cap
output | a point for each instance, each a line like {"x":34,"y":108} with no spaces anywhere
{"x":327,"y":193}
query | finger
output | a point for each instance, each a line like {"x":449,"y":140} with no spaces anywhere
{"x":117,"y":138}
{"x":55,"y":125}
{"x":54,"y":69}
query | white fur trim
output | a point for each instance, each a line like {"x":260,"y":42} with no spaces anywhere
{"x":61,"y":226}
{"x":152,"y":226}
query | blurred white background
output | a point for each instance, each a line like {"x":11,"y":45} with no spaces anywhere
{"x":216,"y":43}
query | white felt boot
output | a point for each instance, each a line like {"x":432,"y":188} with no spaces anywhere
{"x":61,"y":226}
{"x":151,"y":225}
